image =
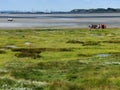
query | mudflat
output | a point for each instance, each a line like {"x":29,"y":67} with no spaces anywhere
{"x":59,"y":20}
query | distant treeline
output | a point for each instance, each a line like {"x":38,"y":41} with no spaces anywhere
{"x":98,"y":10}
{"x":74,"y":11}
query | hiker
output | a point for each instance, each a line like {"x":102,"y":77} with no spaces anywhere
{"x":103,"y":26}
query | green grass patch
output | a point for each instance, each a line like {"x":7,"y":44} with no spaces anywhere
{"x":60,"y":59}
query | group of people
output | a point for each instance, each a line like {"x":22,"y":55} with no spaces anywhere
{"x":97,"y":26}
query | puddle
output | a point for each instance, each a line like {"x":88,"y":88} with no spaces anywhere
{"x":10,"y":46}
{"x":103,"y":55}
{"x":27,"y":43}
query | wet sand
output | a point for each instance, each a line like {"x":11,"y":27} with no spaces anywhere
{"x":59,"y":20}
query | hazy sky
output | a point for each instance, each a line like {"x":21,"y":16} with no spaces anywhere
{"x":56,"y":5}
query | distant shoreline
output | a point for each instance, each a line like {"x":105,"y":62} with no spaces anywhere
{"x":74,"y":11}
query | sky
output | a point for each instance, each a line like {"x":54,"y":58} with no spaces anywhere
{"x":56,"y":5}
